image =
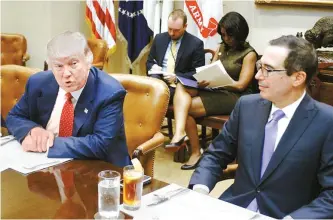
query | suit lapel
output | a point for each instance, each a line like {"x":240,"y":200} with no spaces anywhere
{"x":261,"y":117}
{"x":298,"y":124}
{"x":46,"y":101}
{"x":164,"y":46}
{"x":83,"y":107}
{"x":181,"y":48}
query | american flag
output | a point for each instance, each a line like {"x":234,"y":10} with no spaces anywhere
{"x":100,"y":14}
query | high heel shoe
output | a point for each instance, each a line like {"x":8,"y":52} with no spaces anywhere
{"x":174,"y":147}
{"x":191,"y":167}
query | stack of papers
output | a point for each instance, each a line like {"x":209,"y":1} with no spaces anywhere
{"x":189,"y":205}
{"x":215,"y":74}
{"x":12,"y":156}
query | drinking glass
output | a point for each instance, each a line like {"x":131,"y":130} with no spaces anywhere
{"x":108,"y":194}
{"x":132,"y":188}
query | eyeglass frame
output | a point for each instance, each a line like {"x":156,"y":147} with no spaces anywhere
{"x":267,"y":72}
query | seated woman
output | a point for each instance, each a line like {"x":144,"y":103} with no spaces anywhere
{"x":239,"y":59}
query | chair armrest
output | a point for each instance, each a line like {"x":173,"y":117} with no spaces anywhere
{"x":156,"y":141}
{"x":25,"y":58}
{"x":99,"y":65}
{"x":4,"y":131}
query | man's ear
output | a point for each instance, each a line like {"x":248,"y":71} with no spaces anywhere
{"x":299,"y":78}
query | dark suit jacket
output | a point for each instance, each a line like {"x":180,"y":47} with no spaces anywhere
{"x":299,"y":178}
{"x":190,"y":54}
{"x":98,"y":131}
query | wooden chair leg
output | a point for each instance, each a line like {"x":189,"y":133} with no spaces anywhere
{"x":203,"y":137}
{"x":170,"y":131}
{"x":215,"y":132}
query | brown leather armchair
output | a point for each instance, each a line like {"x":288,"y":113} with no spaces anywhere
{"x":13,"y":49}
{"x":99,"y":48}
{"x":145,"y":106}
{"x":13,"y":79}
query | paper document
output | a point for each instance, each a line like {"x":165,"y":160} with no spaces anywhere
{"x":187,"y":206}
{"x":12,"y":156}
{"x":160,"y":72}
{"x":215,"y":74}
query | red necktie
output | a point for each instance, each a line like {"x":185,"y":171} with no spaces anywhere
{"x":67,"y":117}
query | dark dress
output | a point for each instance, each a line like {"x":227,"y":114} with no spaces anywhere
{"x":222,"y":102}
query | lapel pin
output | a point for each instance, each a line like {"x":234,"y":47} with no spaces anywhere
{"x":85,"y":110}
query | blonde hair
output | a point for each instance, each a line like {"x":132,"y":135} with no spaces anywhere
{"x":68,"y":44}
{"x":178,"y":13}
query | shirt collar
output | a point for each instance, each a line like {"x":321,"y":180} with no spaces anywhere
{"x":289,"y":110}
{"x":76,"y":94}
{"x":179,"y":40}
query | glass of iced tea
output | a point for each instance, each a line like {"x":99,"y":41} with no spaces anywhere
{"x":132,"y":187}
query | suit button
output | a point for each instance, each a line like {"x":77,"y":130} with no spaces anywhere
{"x":258,"y":190}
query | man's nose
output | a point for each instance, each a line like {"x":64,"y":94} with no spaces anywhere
{"x":67,"y":72}
{"x":258,"y":75}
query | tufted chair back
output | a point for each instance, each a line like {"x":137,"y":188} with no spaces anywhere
{"x":144,"y":109}
{"x":13,"y":49}
{"x":13,"y":80}
{"x":99,"y":48}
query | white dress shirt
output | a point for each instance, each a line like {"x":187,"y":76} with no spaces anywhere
{"x":282,"y":126}
{"x":54,"y":121}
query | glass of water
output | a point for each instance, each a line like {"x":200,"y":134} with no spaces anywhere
{"x":108,"y":194}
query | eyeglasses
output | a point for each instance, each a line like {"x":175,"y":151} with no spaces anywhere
{"x":264,"y":70}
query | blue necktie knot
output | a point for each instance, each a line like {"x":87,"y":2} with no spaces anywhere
{"x":278,"y":114}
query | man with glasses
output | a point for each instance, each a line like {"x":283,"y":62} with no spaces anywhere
{"x":175,"y":52}
{"x":282,"y":139}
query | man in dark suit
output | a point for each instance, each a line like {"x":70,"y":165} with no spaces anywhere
{"x":73,"y":111}
{"x":282,"y":138}
{"x":176,"y":51}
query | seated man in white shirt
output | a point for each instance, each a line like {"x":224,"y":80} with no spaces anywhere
{"x":282,"y":139}
{"x":73,"y":111}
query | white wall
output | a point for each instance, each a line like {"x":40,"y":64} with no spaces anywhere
{"x":39,"y":21}
{"x":267,"y":22}
{"x":271,"y":21}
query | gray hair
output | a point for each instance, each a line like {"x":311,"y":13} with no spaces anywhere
{"x":68,"y":44}
{"x":302,"y":55}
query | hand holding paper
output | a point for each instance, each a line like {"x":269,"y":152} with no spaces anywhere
{"x":203,"y":84}
{"x":214,"y":73}
{"x":156,"y":67}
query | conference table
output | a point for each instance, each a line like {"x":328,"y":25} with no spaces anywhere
{"x":36,"y":195}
